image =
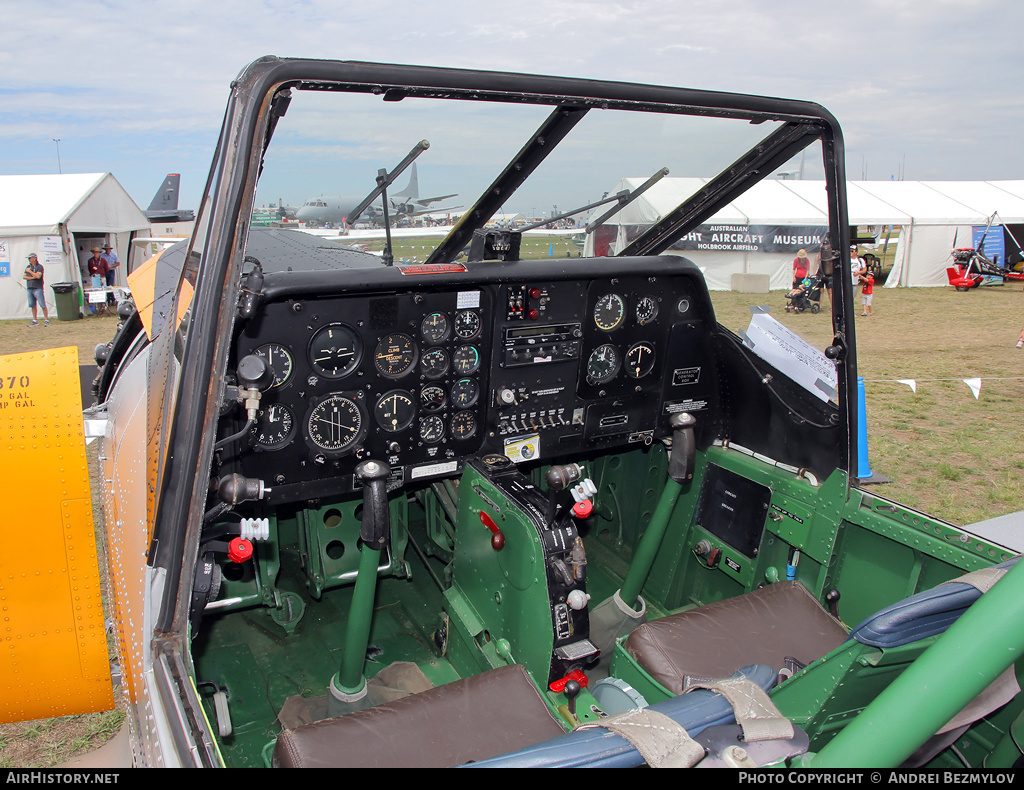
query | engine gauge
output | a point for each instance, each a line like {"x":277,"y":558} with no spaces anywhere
{"x":434,"y":363}
{"x":466,"y":360}
{"x":464,"y":425}
{"x":335,"y":351}
{"x":603,"y":364}
{"x":639,"y":360}
{"x":609,"y":312}
{"x":432,"y":429}
{"x":465,"y":393}
{"x":433,"y":398}
{"x":278,"y":359}
{"x":395,"y":411}
{"x":335,"y":424}
{"x":646,"y":310}
{"x":467,"y":324}
{"x":274,"y":426}
{"x":395,"y":355}
{"x":435,"y":328}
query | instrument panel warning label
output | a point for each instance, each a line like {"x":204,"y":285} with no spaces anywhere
{"x":681,"y":376}
{"x":522,"y":448}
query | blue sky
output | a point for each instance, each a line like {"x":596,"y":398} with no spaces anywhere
{"x":926,"y":88}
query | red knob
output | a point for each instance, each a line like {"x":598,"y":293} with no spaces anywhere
{"x":239,"y":550}
{"x":583,"y":509}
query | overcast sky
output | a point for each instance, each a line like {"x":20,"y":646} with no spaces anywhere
{"x":930,"y":89}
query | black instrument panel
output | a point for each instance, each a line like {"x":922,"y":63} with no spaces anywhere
{"x":424,"y":377}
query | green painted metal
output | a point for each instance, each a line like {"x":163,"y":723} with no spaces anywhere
{"x":357,"y":634}
{"x":979,"y":646}
{"x":650,"y":543}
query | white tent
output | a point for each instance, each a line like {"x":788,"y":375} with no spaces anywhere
{"x":760,"y":232}
{"x":60,"y":218}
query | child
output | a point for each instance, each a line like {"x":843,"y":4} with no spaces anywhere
{"x":867,"y":280}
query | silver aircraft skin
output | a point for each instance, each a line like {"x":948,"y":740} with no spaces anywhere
{"x":334,"y":211}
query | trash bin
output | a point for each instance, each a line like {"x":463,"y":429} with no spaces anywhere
{"x":65,"y":297}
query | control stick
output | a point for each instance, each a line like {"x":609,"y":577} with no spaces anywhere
{"x":349,"y":685}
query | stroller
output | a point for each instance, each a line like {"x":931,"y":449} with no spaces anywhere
{"x":807,"y":295}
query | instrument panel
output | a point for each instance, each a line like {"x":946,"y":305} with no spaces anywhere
{"x":425,"y":377}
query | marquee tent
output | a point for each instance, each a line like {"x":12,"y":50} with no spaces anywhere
{"x":60,"y":218}
{"x":761,"y":232}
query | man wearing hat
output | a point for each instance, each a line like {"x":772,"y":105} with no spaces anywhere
{"x":97,"y":270}
{"x":34,"y":285}
{"x":112,"y":263}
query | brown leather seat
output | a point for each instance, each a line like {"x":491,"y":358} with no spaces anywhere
{"x":762,"y":627}
{"x":471,"y":719}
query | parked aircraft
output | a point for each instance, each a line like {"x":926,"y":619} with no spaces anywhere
{"x":497,"y":512}
{"x":164,"y":206}
{"x":335,"y":211}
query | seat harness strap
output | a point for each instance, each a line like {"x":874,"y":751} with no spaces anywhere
{"x":754,"y":711}
{"x":661,"y":741}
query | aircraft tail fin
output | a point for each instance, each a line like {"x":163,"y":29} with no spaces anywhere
{"x":166,"y":198}
{"x":412,"y":189}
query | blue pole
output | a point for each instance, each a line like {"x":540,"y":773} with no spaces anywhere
{"x":863,"y":466}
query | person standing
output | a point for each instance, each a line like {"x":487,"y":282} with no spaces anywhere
{"x":800,"y":264}
{"x":867,"y":280}
{"x":97,"y":270}
{"x":112,"y":261}
{"x":34,"y":285}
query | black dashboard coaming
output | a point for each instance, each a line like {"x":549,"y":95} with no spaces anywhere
{"x":534,"y":399}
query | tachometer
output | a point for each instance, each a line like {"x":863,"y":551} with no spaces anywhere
{"x":639,"y":360}
{"x":335,"y":424}
{"x":603,"y":364}
{"x":395,"y":411}
{"x":435,"y":328}
{"x":609,"y":312}
{"x":395,"y":354}
{"x":335,"y":351}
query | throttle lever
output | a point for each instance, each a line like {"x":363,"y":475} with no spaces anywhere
{"x":376,"y":526}
{"x":683,"y":458}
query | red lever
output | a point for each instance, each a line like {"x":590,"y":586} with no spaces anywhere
{"x":576,"y":675}
{"x":583,"y":508}
{"x":498,"y":538}
{"x":239,"y":549}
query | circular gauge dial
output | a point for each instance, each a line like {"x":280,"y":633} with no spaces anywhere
{"x":467,"y":324}
{"x":603,"y":364}
{"x":434,"y":363}
{"x":639,"y":360}
{"x":432,"y":429}
{"x":433,"y":398}
{"x":464,"y":425}
{"x":278,"y":359}
{"x":274,"y":426}
{"x":335,"y":351}
{"x":435,"y":328}
{"x":335,"y":423}
{"x":395,"y":411}
{"x":465,"y":393}
{"x":609,"y":312}
{"x":395,"y":355}
{"x":646,"y":310}
{"x":466,"y":360}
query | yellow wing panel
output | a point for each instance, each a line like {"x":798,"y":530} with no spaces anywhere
{"x":54,"y":658}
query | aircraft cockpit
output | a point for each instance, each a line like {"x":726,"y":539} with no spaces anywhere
{"x":466,"y":488}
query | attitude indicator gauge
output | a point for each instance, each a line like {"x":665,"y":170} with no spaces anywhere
{"x":335,"y":351}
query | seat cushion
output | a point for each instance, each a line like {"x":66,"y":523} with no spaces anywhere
{"x":471,"y":719}
{"x":761,"y":627}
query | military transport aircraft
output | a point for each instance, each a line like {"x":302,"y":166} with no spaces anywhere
{"x":337,"y":211}
{"x":164,"y":206}
{"x":497,"y":512}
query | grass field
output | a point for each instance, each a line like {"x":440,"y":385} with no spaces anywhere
{"x":947,"y":453}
